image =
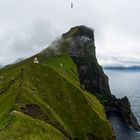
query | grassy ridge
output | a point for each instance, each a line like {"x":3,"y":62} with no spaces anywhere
{"x":49,"y":94}
{"x":23,"y":127}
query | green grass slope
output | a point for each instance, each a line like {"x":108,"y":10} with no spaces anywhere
{"x":23,"y":127}
{"x":45,"y":102}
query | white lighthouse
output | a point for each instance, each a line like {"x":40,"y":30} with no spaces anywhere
{"x":36,"y":60}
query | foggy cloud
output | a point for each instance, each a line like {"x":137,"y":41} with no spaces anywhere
{"x":27,"y":27}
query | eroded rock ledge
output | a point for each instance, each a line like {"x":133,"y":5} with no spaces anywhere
{"x":91,"y":75}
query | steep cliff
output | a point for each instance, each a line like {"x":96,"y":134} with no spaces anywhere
{"x":82,"y":51}
{"x":41,"y":98}
{"x":91,"y":75}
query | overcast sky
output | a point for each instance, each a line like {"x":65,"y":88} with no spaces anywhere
{"x":28,"y":26}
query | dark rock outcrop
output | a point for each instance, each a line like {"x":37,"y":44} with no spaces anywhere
{"x":91,"y":75}
{"x":82,"y":49}
{"x":125,"y":110}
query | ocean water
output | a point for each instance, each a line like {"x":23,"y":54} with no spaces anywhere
{"x":125,"y":83}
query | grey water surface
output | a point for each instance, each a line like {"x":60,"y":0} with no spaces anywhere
{"x":125,"y":83}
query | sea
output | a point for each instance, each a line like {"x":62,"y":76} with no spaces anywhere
{"x":125,"y":83}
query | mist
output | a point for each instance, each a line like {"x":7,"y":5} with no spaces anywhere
{"x":27,"y":27}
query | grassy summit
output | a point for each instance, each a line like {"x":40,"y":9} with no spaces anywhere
{"x":45,"y":101}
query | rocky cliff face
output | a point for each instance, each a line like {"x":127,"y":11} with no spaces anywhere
{"x":82,"y":51}
{"x":91,"y":75}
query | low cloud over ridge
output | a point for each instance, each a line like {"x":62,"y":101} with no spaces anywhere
{"x":29,"y":26}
